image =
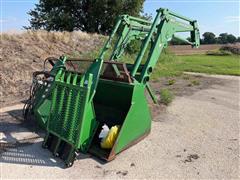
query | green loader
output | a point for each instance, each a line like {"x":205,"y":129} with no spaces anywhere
{"x":77,"y":97}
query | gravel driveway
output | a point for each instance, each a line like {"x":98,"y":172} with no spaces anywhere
{"x":197,"y":137}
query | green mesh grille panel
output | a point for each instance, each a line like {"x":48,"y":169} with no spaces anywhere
{"x":67,"y":110}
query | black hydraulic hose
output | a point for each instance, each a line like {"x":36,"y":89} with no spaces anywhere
{"x":50,"y":60}
{"x":33,"y":89}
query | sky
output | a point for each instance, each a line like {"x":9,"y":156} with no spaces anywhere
{"x":217,"y":16}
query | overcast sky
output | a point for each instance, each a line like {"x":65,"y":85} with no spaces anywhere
{"x":213,"y":15}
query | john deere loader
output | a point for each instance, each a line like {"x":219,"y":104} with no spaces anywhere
{"x":77,"y":97}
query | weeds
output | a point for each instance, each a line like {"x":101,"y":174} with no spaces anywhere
{"x":166,"y":96}
{"x":219,"y":53}
{"x":194,"y":83}
{"x":171,"y":82}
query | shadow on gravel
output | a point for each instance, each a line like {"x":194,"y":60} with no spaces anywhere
{"x":26,"y":153}
{"x":28,"y":149}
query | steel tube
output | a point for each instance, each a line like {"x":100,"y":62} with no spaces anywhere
{"x":141,"y":54}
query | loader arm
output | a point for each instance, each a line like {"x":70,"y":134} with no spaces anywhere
{"x":164,"y":27}
{"x":156,"y":34}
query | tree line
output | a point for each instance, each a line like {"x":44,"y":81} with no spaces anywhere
{"x":223,"y":38}
{"x":211,"y":38}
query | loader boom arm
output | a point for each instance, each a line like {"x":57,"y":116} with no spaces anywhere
{"x":163,"y":29}
{"x":156,"y":34}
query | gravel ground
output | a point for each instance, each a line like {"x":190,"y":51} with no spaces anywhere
{"x":197,"y":136}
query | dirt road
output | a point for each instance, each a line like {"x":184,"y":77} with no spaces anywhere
{"x":197,"y":137}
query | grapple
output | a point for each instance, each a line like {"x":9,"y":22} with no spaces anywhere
{"x":74,"y":100}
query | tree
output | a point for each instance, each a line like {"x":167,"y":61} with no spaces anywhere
{"x":223,"y":38}
{"x":231,"y":38}
{"x":238,"y":39}
{"x":209,"y":38}
{"x":85,"y":15}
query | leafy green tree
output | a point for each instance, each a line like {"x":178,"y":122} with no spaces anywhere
{"x":223,"y":38}
{"x":238,"y":39}
{"x":231,"y":38}
{"x":209,"y":38}
{"x":85,"y":15}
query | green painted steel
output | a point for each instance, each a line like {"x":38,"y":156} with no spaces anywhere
{"x":70,"y":107}
{"x":43,"y":98}
{"x":80,"y":103}
{"x":137,"y":122}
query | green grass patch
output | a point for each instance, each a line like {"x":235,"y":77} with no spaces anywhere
{"x":171,"y":82}
{"x":166,"y":96}
{"x":227,"y":65}
{"x":176,"y":65}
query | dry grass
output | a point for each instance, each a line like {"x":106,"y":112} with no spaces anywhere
{"x":23,"y":53}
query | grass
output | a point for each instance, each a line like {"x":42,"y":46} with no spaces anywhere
{"x":226,"y":65}
{"x":166,"y":96}
{"x":171,"y":82}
